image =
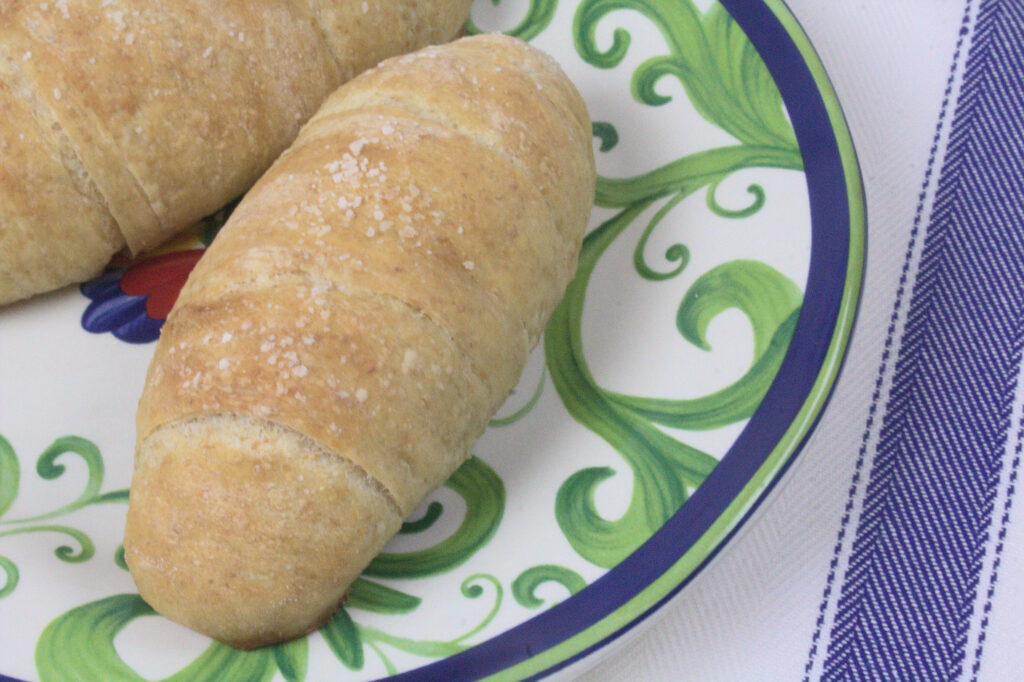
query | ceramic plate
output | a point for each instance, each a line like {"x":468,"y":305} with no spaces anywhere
{"x":689,"y":359}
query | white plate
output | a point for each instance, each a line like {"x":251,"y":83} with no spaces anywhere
{"x":688,"y":362}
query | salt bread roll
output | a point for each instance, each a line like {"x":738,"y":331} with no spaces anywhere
{"x":123,"y":122}
{"x":343,"y":343}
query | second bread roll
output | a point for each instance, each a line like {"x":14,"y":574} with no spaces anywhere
{"x":344,"y":342}
{"x":123,"y":122}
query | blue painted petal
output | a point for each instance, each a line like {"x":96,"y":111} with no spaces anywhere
{"x":105,"y":286}
{"x":142,"y":329}
{"x":104,"y":315}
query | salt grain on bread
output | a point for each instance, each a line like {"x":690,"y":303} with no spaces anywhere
{"x":123,"y":122}
{"x":344,"y":342}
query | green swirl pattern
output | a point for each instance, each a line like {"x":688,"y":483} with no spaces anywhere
{"x":49,"y":468}
{"x":524,"y":587}
{"x":728,"y":84}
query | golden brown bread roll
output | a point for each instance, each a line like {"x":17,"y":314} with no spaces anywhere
{"x":123,"y":122}
{"x":344,"y":342}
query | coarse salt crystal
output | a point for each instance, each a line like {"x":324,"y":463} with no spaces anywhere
{"x":362,"y":395}
{"x":409,"y":360}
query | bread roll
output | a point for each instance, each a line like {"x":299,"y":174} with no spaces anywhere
{"x":124,"y":122}
{"x":345,"y":340}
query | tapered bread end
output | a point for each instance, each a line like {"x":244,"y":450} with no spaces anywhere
{"x":250,"y":532}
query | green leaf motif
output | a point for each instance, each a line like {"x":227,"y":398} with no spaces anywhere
{"x":372,"y":596}
{"x":10,"y":571}
{"x":663,"y":467}
{"x":524,"y":587}
{"x":79,"y":645}
{"x":209,"y":227}
{"x":757,"y":290}
{"x":343,"y":639}
{"x":690,"y":173}
{"x":119,"y":560}
{"x":538,"y":17}
{"x":292,"y":659}
{"x":10,"y":474}
{"x":349,"y":639}
{"x":733,"y":403}
{"x":607,"y":133}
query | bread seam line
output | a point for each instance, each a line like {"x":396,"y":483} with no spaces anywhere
{"x":100,"y":132}
{"x":46,"y":119}
{"x":315,"y":446}
{"x":304,"y":11}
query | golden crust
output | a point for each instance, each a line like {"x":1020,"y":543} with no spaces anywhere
{"x":57,"y":230}
{"x":256,"y":531}
{"x":377,"y":293}
{"x":220,"y":87}
{"x":484,"y":89}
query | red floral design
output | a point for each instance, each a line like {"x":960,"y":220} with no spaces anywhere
{"x":160,"y":279}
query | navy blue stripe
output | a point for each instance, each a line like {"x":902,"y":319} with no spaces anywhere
{"x":909,"y":592}
{"x":1000,"y":543}
{"x":894,"y":317}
